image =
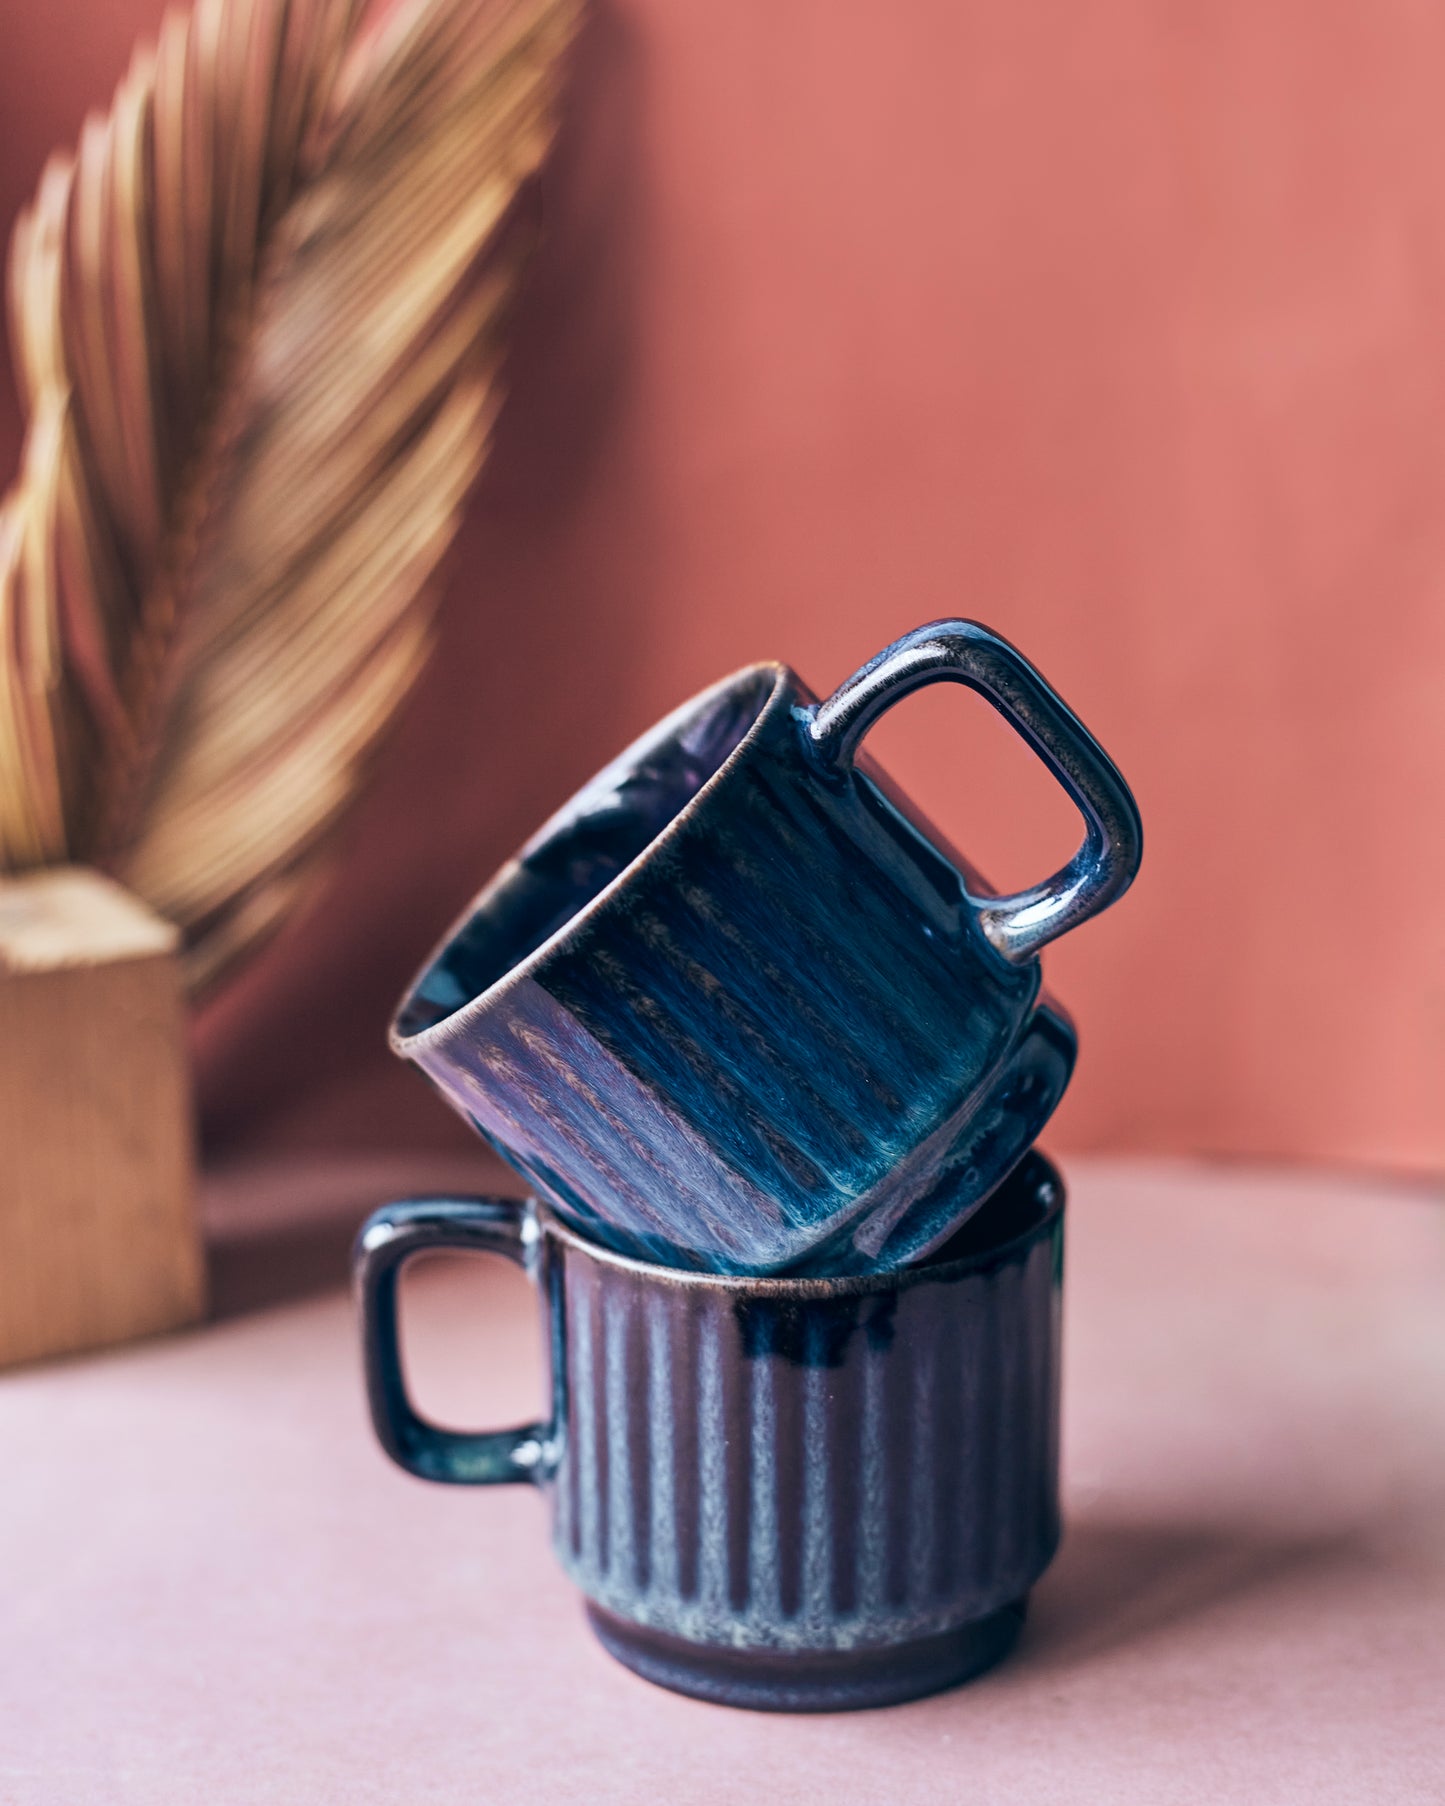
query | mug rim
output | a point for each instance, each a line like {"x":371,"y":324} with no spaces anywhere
{"x":543,"y":1221}
{"x":782,"y":680}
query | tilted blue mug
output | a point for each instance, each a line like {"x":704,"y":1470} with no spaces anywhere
{"x":738,"y":1007}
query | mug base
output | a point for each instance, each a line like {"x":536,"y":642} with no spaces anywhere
{"x":832,"y":1680}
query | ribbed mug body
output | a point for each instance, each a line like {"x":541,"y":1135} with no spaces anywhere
{"x":812,"y":1493}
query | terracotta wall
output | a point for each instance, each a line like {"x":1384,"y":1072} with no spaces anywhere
{"x":1119,"y":326}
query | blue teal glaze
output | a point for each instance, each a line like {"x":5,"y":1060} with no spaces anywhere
{"x":1004,"y":1121}
{"x":796,"y":1494}
{"x":737,"y":1007}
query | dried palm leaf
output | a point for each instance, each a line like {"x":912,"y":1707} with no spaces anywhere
{"x":256,"y":320}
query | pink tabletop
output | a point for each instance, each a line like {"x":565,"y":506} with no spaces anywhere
{"x":214,"y":1587}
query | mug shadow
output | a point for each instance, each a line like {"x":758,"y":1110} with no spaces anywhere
{"x":1116,"y":1585}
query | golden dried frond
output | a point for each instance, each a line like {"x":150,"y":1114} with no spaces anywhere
{"x":256,"y":322}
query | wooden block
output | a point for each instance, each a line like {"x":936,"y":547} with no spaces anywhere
{"x":99,"y":1240}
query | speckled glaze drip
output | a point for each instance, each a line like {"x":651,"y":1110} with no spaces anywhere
{"x":790,"y":1471}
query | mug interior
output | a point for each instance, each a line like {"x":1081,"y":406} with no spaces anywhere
{"x":591,"y":841}
{"x":1021,"y":1205}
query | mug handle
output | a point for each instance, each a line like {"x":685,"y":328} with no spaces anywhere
{"x":388,"y":1239}
{"x":966,"y":652}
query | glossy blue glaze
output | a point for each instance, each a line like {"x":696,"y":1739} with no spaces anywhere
{"x":739,"y":1008}
{"x":795,"y":1494}
{"x":1004,"y":1122}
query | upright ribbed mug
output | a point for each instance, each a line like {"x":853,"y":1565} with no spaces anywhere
{"x":791,"y":1494}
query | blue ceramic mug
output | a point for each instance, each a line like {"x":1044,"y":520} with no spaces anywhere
{"x":738,"y":1007}
{"x":792,"y":1494}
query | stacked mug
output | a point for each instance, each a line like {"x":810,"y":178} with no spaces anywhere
{"x":772,"y":1060}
